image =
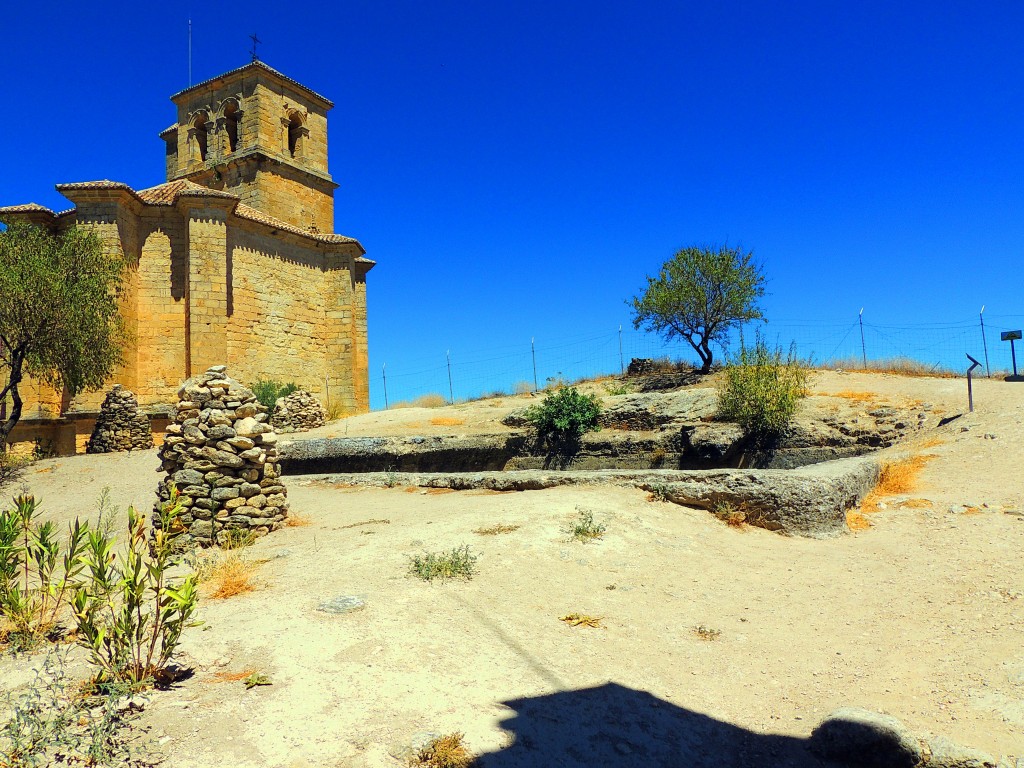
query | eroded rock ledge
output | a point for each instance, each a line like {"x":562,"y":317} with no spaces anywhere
{"x":810,"y":501}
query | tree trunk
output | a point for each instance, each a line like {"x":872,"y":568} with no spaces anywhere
{"x":17,"y":359}
{"x":706,"y":356}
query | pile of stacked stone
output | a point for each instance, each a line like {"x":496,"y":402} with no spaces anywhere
{"x":121,"y":426}
{"x":221,"y":454}
{"x":298,"y":412}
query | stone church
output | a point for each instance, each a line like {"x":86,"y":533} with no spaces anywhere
{"x":231,"y":261}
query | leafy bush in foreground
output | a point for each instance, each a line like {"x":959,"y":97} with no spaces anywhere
{"x":565,"y":416}
{"x":760,"y":390}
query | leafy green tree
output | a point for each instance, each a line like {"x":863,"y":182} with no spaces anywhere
{"x":59,"y":319}
{"x":700,"y":295}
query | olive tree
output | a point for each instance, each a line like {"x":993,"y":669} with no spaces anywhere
{"x":59,"y":319}
{"x":699,"y":295}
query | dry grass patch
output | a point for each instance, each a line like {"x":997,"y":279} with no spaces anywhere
{"x":582,"y":620}
{"x":903,"y":366}
{"x":447,"y":751}
{"x":857,"y":397}
{"x":234,"y":677}
{"x":447,"y":421}
{"x":295,"y":520}
{"x":381,"y":521}
{"x":432,"y":400}
{"x":225,"y":574}
{"x":856,"y":521}
{"x":917,"y":504}
{"x":494,"y":530}
{"x":896,"y":477}
{"x":931,"y":442}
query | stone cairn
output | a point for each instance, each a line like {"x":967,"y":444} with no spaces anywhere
{"x":221,"y":454}
{"x":121,"y":426}
{"x":297,"y":412}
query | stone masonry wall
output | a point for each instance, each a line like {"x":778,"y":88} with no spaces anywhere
{"x":221,"y":455}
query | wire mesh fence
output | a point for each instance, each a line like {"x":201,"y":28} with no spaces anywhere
{"x":451,"y":375}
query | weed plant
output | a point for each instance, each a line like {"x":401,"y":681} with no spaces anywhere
{"x":130,"y":613}
{"x":707,"y":633}
{"x":458,"y":563}
{"x":660,"y":492}
{"x":33,"y":590}
{"x":584,"y":528}
{"x":52,"y":722}
{"x":760,"y":390}
{"x":446,"y":751}
{"x":267,"y":391}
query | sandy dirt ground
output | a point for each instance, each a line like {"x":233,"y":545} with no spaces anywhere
{"x":920,"y":616}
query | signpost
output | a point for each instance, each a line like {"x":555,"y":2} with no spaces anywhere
{"x":970,"y":393}
{"x":1012,"y":336}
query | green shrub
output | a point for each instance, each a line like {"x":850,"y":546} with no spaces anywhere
{"x":459,"y":563}
{"x":760,"y":389}
{"x":32,"y":590}
{"x":54,"y":722}
{"x":584,"y":528}
{"x":130,"y":613}
{"x":267,"y":391}
{"x":565,"y":416}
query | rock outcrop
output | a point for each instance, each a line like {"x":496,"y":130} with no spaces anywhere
{"x":121,"y":426}
{"x":221,"y":455}
{"x":298,"y":412}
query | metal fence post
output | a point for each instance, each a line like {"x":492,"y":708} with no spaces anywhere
{"x":451,"y":392}
{"x":970,"y":392}
{"x":622,"y":367}
{"x":984,"y":343}
{"x":384,"y":375}
{"x":863,"y":348}
{"x":533,"y":353}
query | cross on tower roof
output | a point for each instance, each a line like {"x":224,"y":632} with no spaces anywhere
{"x":255,"y":41}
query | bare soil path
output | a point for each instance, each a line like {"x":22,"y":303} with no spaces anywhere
{"x":920,"y":616}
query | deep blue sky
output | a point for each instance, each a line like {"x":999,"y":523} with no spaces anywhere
{"x":517,"y":168}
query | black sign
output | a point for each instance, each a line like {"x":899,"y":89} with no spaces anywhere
{"x":1009,"y":335}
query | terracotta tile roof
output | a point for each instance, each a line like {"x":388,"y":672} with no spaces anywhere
{"x":26,"y":208}
{"x":168,"y":194}
{"x":102,"y":184}
{"x":245,"y":212}
{"x":256,"y":65}
{"x":164,"y":194}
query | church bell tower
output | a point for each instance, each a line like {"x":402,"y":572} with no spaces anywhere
{"x":259,"y":135}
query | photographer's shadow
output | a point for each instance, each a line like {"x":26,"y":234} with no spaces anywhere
{"x":612,"y":725}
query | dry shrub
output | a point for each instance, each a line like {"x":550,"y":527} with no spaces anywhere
{"x":432,"y":400}
{"x":295,"y":520}
{"x":582,"y":620}
{"x":226,"y":574}
{"x":447,"y":751}
{"x":234,"y":677}
{"x":335,"y":410}
{"x":903,"y":366}
{"x":447,"y":421}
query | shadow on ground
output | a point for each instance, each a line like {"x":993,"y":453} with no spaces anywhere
{"x":612,"y":725}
